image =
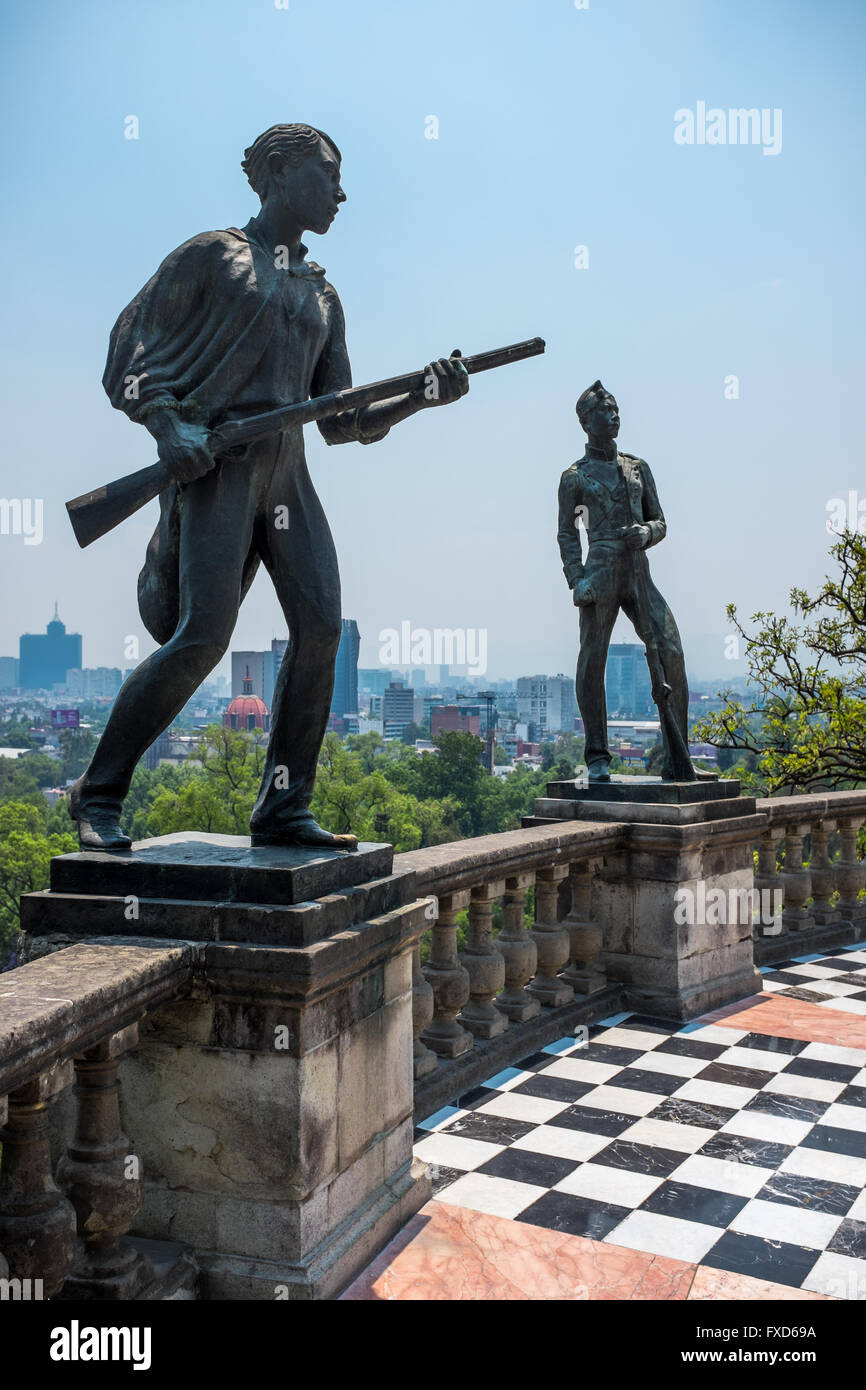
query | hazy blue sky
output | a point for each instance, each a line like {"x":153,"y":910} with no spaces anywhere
{"x":556,"y":129}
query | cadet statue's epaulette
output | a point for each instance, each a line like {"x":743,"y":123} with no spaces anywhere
{"x":633,"y":457}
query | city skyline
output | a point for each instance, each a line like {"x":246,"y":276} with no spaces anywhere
{"x":450,"y":522}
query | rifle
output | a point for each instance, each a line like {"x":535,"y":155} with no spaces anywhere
{"x":678,"y":749}
{"x":96,"y":512}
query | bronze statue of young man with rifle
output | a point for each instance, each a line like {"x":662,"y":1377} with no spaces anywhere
{"x":614,"y":495}
{"x":234,"y":327}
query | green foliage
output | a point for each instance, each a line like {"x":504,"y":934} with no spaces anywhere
{"x":76,"y":750}
{"x":25,"y":854}
{"x":806,"y":727}
{"x":218,"y":793}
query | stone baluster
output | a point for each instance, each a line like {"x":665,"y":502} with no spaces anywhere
{"x":102,"y":1180}
{"x":770,"y":885}
{"x":551,"y":939}
{"x":423,"y":1060}
{"x":823,"y":876}
{"x":37,"y":1222}
{"x":797,"y":880}
{"x":849,"y":869}
{"x":485,"y":965}
{"x":519,"y":952}
{"x":449,"y":981}
{"x":584,"y":972}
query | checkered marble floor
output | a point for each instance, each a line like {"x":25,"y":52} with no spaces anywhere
{"x":837,"y":982}
{"x":735,"y":1150}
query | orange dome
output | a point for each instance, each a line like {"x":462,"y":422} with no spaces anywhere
{"x":247,"y":711}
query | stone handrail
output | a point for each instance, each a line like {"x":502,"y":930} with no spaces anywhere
{"x":72,"y":1015}
{"x":506,"y":995}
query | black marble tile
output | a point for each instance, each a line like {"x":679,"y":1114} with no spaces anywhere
{"x":841,"y":963}
{"x":593,"y":1121}
{"x":805,"y":995}
{"x":640,"y":1158}
{"x":553,"y":1088}
{"x":535,"y":1061}
{"x":495,"y":1129}
{"x":691,"y":1047}
{"x":577,"y":1216}
{"x":788,"y":1107}
{"x":724,"y":1074}
{"x":822,"y":1071}
{"x":656,"y":1082}
{"x":850,"y":1239}
{"x":852,"y":1095}
{"x":813,"y":1194}
{"x":693,"y":1112}
{"x":857,"y":994}
{"x":735,"y":1148}
{"x":480,"y":1095}
{"x":522,"y":1165}
{"x":694,"y":1203}
{"x":762,"y":1259}
{"x":645,"y":1023}
{"x":790,"y":1046}
{"x":442,"y":1177}
{"x":785,"y":977}
{"x":613,"y":1056}
{"x":836,"y":1141}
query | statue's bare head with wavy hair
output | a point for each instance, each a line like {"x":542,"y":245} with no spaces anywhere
{"x":290,"y":144}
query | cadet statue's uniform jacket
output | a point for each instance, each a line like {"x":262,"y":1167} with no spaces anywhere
{"x":605,"y":506}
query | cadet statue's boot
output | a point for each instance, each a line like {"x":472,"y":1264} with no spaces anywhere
{"x":98,"y":826}
{"x":596,"y":771}
{"x":304,"y":831}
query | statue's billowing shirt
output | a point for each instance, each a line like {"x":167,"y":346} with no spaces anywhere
{"x":222,"y":331}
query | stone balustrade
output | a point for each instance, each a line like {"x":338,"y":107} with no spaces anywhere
{"x":70,"y":1017}
{"x":286,"y":1010}
{"x":809,"y":902}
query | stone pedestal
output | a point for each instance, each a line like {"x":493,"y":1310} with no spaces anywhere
{"x":272,"y":1108}
{"x":674,"y":902}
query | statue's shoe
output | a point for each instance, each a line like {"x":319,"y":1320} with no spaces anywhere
{"x":307,"y":833}
{"x":702,"y":774}
{"x":98,"y":826}
{"x":597,"y":772}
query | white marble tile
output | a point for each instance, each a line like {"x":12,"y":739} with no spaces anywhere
{"x":577,"y":1069}
{"x":846,"y":1006}
{"x":452,"y":1151}
{"x":858,"y":1211}
{"x":603,"y":1184}
{"x":630,"y":1037}
{"x":837,"y":1276}
{"x":806,"y":1087}
{"x":845,"y":1117}
{"x":776,"y":1129}
{"x":669,"y":1064}
{"x":714,"y":1033}
{"x":716,"y":1093}
{"x":619,"y":1099}
{"x":755,"y":1058}
{"x":793,"y":1225}
{"x":665,"y":1235}
{"x":828,"y":1052}
{"x":664,"y":1134}
{"x":534,"y":1109}
{"x":562,"y":1143}
{"x":497,"y":1196}
{"x":812,"y":971}
{"x":818,"y":1163}
{"x":840,"y":987}
{"x":722,"y":1175}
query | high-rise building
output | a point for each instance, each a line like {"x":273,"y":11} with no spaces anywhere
{"x":628,"y":689}
{"x":398,"y":709}
{"x":93,"y":683}
{"x":273,"y":661}
{"x":374,"y":680}
{"x":345,"y":697}
{"x":546,"y":704}
{"x":44,"y":658}
{"x":262,"y":668}
{"x":8,"y":673}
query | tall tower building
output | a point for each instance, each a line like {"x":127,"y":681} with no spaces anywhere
{"x":44,"y":658}
{"x":345,"y":697}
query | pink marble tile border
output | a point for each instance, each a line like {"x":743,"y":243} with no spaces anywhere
{"x":722,"y":1285}
{"x":449,"y":1253}
{"x":783,"y":1017}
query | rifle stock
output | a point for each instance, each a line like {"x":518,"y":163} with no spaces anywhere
{"x":95,"y":513}
{"x":678,"y":749}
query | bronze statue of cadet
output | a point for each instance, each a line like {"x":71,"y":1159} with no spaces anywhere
{"x":235,"y":322}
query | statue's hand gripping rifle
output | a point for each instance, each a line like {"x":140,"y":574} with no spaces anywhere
{"x":94,"y":513}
